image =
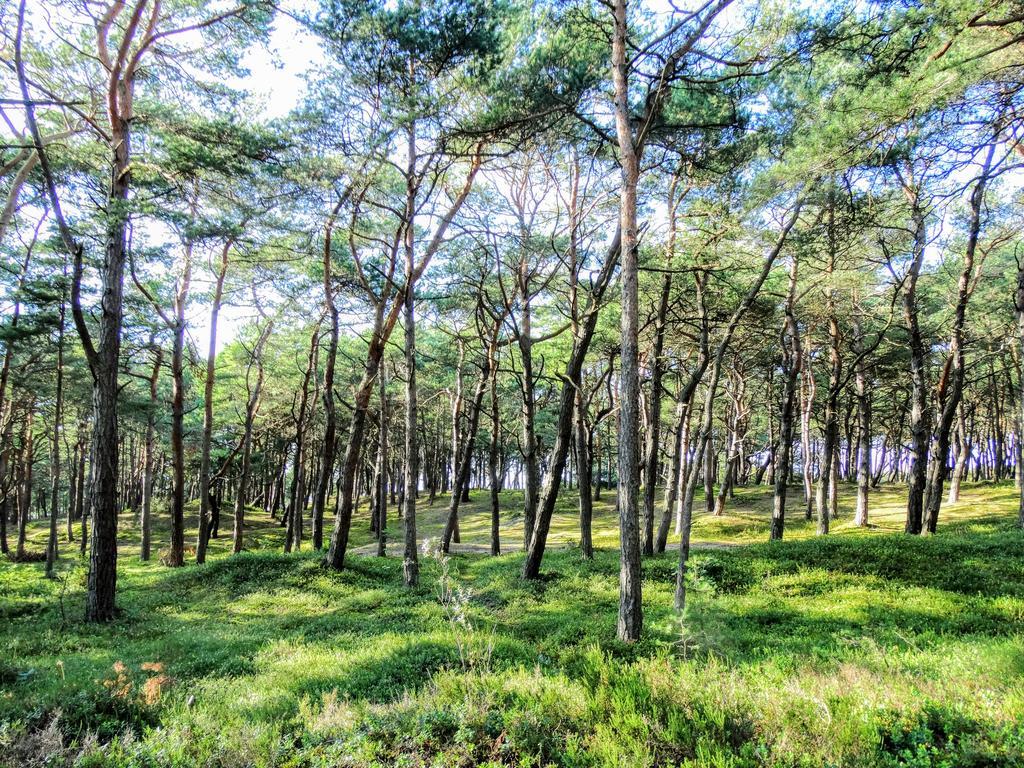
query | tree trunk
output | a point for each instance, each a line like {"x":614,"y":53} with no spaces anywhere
{"x":330,"y":411}
{"x":950,"y":387}
{"x":463,"y":459}
{"x":654,"y":421}
{"x":203,"y":538}
{"x":58,"y":430}
{"x":149,"y":456}
{"x":293,"y":537}
{"x":176,"y":556}
{"x":630,"y":620}
{"x":530,"y":458}
{"x":920,"y":419}
{"x":494,"y":464}
{"x":864,"y":439}
{"x":675,"y":472}
{"x":564,"y":422}
{"x":586,"y":501}
{"x":381,"y":487}
{"x":251,"y":408}
{"x":105,"y":364}
{"x":24,"y":484}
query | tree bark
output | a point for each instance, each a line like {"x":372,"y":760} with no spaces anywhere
{"x":792,"y":359}
{"x":55,"y":461}
{"x":920,"y":415}
{"x":630,"y":620}
{"x":330,"y":411}
{"x":203,"y":537}
{"x":149,"y":456}
{"x":293,"y":536}
{"x":494,"y":464}
{"x":864,"y":439}
{"x":564,"y":423}
{"x":951,"y":384}
{"x":176,"y":555}
{"x":251,"y":408}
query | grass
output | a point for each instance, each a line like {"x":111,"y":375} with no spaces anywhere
{"x":864,"y":648}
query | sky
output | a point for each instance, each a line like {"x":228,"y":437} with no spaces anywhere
{"x":276,"y":80}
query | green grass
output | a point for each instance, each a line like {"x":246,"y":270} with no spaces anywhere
{"x":865,"y":648}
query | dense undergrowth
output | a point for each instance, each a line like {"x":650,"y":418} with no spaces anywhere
{"x":859,"y":649}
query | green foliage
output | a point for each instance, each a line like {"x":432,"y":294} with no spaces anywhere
{"x":859,"y":649}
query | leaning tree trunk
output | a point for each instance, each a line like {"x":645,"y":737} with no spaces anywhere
{"x":463,"y":459}
{"x":531,"y":464}
{"x":704,"y":434}
{"x":951,"y":385}
{"x":675,"y":472}
{"x":963,"y":456}
{"x":564,"y":423}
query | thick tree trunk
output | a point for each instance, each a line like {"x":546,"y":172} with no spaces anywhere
{"x":630,"y":620}
{"x":920,"y":418}
{"x":105,"y":362}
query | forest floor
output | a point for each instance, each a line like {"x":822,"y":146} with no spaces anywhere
{"x":866,"y":647}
